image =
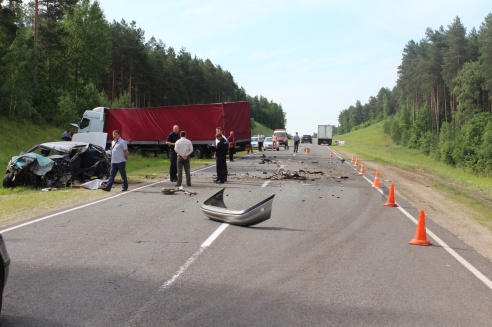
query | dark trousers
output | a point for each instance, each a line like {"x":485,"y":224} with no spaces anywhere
{"x":221,"y":165}
{"x":231,"y":154}
{"x":186,"y":164}
{"x":173,"y":170}
{"x":260,"y":145}
{"x":296,"y":146}
{"x":115,"y":167}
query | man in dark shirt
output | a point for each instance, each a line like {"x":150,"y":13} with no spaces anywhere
{"x":173,"y":157}
{"x":221,"y":158}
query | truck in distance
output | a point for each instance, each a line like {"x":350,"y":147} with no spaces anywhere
{"x":325,"y":134}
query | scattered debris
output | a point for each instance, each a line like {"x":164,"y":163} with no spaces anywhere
{"x":169,"y":191}
{"x":302,"y":175}
{"x":310,"y":172}
{"x":267,"y":160}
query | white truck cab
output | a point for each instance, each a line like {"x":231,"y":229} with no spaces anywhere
{"x":92,"y":121}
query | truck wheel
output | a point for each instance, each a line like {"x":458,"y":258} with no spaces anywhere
{"x":198,"y":153}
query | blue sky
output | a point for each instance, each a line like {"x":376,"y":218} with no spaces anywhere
{"x":314,"y":57}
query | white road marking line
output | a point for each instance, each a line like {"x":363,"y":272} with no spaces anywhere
{"x":446,"y":247}
{"x":182,"y":269}
{"x":214,"y":235}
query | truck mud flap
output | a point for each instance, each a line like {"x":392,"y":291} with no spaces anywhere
{"x":215,"y":209}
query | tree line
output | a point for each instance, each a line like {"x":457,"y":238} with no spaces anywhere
{"x":75,"y":60}
{"x":442,"y":101}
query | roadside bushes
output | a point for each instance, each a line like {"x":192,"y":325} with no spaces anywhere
{"x":471,"y":150}
{"x":468,"y":147}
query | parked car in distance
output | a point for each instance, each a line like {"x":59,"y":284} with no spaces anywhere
{"x":254,"y":142}
{"x":268,"y":143}
{"x":4,"y":268}
{"x":306,"y":139}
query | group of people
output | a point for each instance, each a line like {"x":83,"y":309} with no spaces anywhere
{"x":180,"y":149}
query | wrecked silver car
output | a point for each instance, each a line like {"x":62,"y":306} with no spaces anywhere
{"x":57,"y":164}
{"x":215,"y":209}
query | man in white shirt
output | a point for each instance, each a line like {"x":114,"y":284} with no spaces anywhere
{"x":119,"y":156}
{"x":184,"y":149}
{"x":261,"y":139}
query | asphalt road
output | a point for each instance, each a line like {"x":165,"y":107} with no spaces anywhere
{"x":330,"y":255}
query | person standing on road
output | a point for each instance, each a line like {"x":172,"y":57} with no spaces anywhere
{"x":218,"y":130}
{"x":119,"y":156}
{"x":261,"y":139}
{"x":184,"y":149}
{"x":232,"y":146}
{"x":296,"y":142}
{"x":221,"y":148}
{"x":171,"y":140}
{"x":274,"y":142}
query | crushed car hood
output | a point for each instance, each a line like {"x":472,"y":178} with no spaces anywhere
{"x":43,"y":166}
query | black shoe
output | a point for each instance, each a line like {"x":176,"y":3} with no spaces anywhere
{"x":124,"y":189}
{"x":177,"y":185}
{"x":174,"y":180}
{"x":188,"y":184}
{"x":105,"y":189}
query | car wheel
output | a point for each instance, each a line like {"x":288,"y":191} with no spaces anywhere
{"x":7,"y":181}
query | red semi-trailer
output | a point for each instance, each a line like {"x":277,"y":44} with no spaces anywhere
{"x":148,"y":128}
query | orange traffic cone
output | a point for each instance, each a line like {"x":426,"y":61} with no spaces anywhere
{"x":391,"y":197}
{"x":331,"y":154}
{"x":356,"y":164}
{"x":420,"y":233}
{"x":361,"y":169}
{"x":376,"y":180}
{"x":352,"y":158}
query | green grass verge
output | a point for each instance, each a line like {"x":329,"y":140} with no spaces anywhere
{"x":371,"y":144}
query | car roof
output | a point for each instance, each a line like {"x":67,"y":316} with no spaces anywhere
{"x":61,"y":146}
